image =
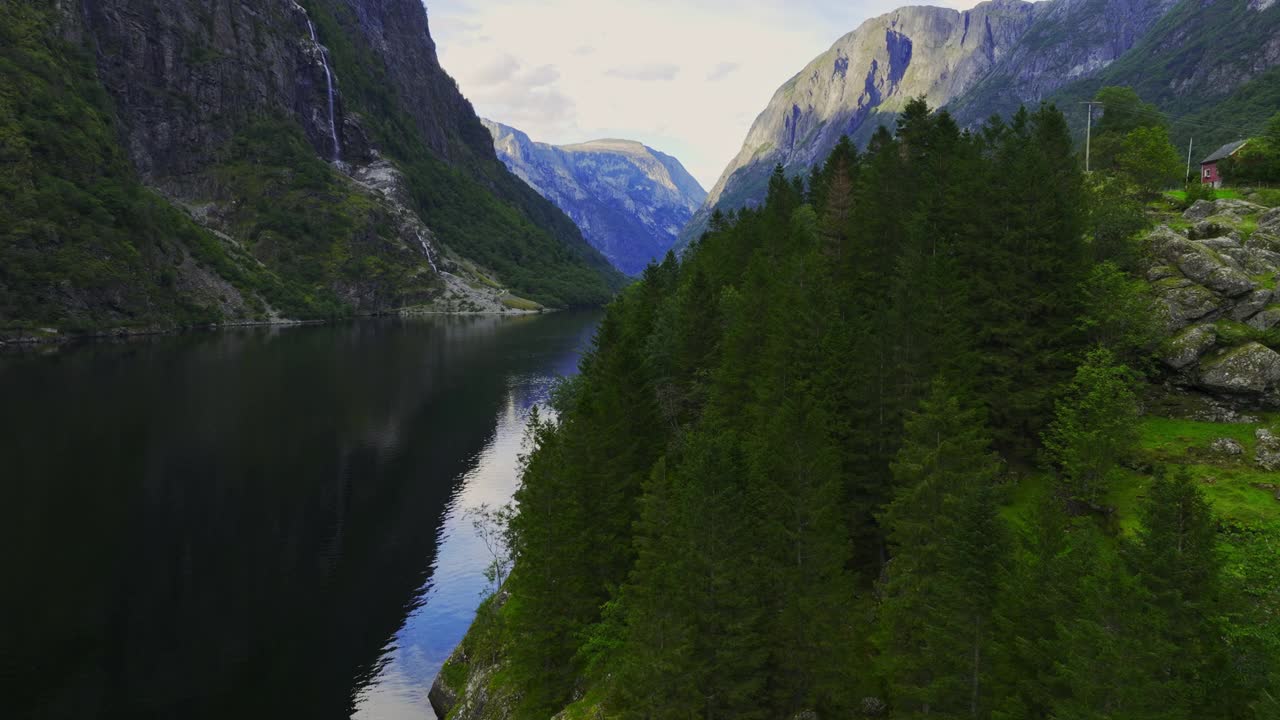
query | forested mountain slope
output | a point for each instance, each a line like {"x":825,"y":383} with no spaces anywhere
{"x":172,"y":163}
{"x":629,"y":200}
{"x":878,"y":449}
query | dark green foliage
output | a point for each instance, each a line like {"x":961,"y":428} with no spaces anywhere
{"x":775,"y":488}
{"x":937,"y":629}
{"x":1197,"y":190}
{"x":1148,"y":160}
{"x":1094,"y":428}
{"x":1131,"y":146}
{"x":1119,"y":314}
{"x":312,"y":229}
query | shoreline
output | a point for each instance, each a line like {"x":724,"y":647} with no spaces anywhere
{"x":43,"y":337}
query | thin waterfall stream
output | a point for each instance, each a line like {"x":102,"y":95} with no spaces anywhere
{"x":328,"y":76}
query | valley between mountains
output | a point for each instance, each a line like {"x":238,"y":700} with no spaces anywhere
{"x":956,"y":395}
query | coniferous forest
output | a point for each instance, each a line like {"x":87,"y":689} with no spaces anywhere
{"x":792,"y":479}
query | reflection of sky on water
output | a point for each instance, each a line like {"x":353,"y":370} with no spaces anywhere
{"x":456,"y":583}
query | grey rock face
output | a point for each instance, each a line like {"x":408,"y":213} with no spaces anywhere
{"x":186,"y":75}
{"x":629,"y":200}
{"x":1270,"y":221}
{"x":1249,"y":369}
{"x":1266,"y":319}
{"x":1200,"y":210}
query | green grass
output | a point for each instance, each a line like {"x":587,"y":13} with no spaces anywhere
{"x":1231,"y":484}
{"x":1169,"y":440}
{"x":1267,"y":196}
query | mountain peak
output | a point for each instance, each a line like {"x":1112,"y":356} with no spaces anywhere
{"x":629,"y":200}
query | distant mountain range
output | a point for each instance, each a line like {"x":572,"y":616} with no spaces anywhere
{"x":1212,"y":65}
{"x":629,"y":200}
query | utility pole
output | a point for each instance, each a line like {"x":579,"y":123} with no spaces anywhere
{"x":1088,"y":133}
{"x":1189,"y":144}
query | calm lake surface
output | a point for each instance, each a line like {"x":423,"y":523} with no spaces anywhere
{"x":267,"y":522}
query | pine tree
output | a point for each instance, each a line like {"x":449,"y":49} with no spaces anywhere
{"x":936,"y":613}
{"x":1094,"y":427}
{"x":1177,"y":559}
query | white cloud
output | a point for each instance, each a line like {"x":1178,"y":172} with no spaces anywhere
{"x":502,"y":69}
{"x":645,"y":73}
{"x":685,"y":76}
{"x":722,"y":71}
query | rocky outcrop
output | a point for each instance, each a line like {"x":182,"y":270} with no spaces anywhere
{"x":629,"y":200}
{"x":1219,"y":301}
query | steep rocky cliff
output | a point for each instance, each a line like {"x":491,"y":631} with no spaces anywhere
{"x":629,"y":200}
{"x":1069,"y":40}
{"x":1212,"y":65}
{"x":178,"y":162}
{"x":861,"y":82}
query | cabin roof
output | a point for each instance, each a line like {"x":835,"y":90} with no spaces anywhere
{"x":1225,"y":151}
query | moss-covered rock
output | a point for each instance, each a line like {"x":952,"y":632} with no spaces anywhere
{"x":1251,"y":369}
{"x":1187,"y":347}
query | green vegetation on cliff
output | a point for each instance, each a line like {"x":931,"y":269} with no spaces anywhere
{"x":801,"y":474}
{"x":82,"y":243}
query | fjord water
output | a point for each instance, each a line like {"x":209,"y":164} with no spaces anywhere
{"x":266,"y":522}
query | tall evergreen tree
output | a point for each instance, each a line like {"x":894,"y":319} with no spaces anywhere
{"x":936,"y":611}
{"x":1094,"y":427}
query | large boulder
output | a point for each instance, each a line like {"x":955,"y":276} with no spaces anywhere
{"x":1185,"y":302}
{"x":1187,"y":347}
{"x":1251,"y":369}
{"x":1211,"y":269}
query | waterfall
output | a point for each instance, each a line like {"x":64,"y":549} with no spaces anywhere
{"x":328,"y":76}
{"x":427,"y":251}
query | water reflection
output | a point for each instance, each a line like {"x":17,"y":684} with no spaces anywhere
{"x":236,"y":524}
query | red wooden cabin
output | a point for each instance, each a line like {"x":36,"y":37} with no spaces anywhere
{"x":1209,"y":174}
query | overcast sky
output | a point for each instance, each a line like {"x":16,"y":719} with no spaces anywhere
{"x":686,"y":77}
